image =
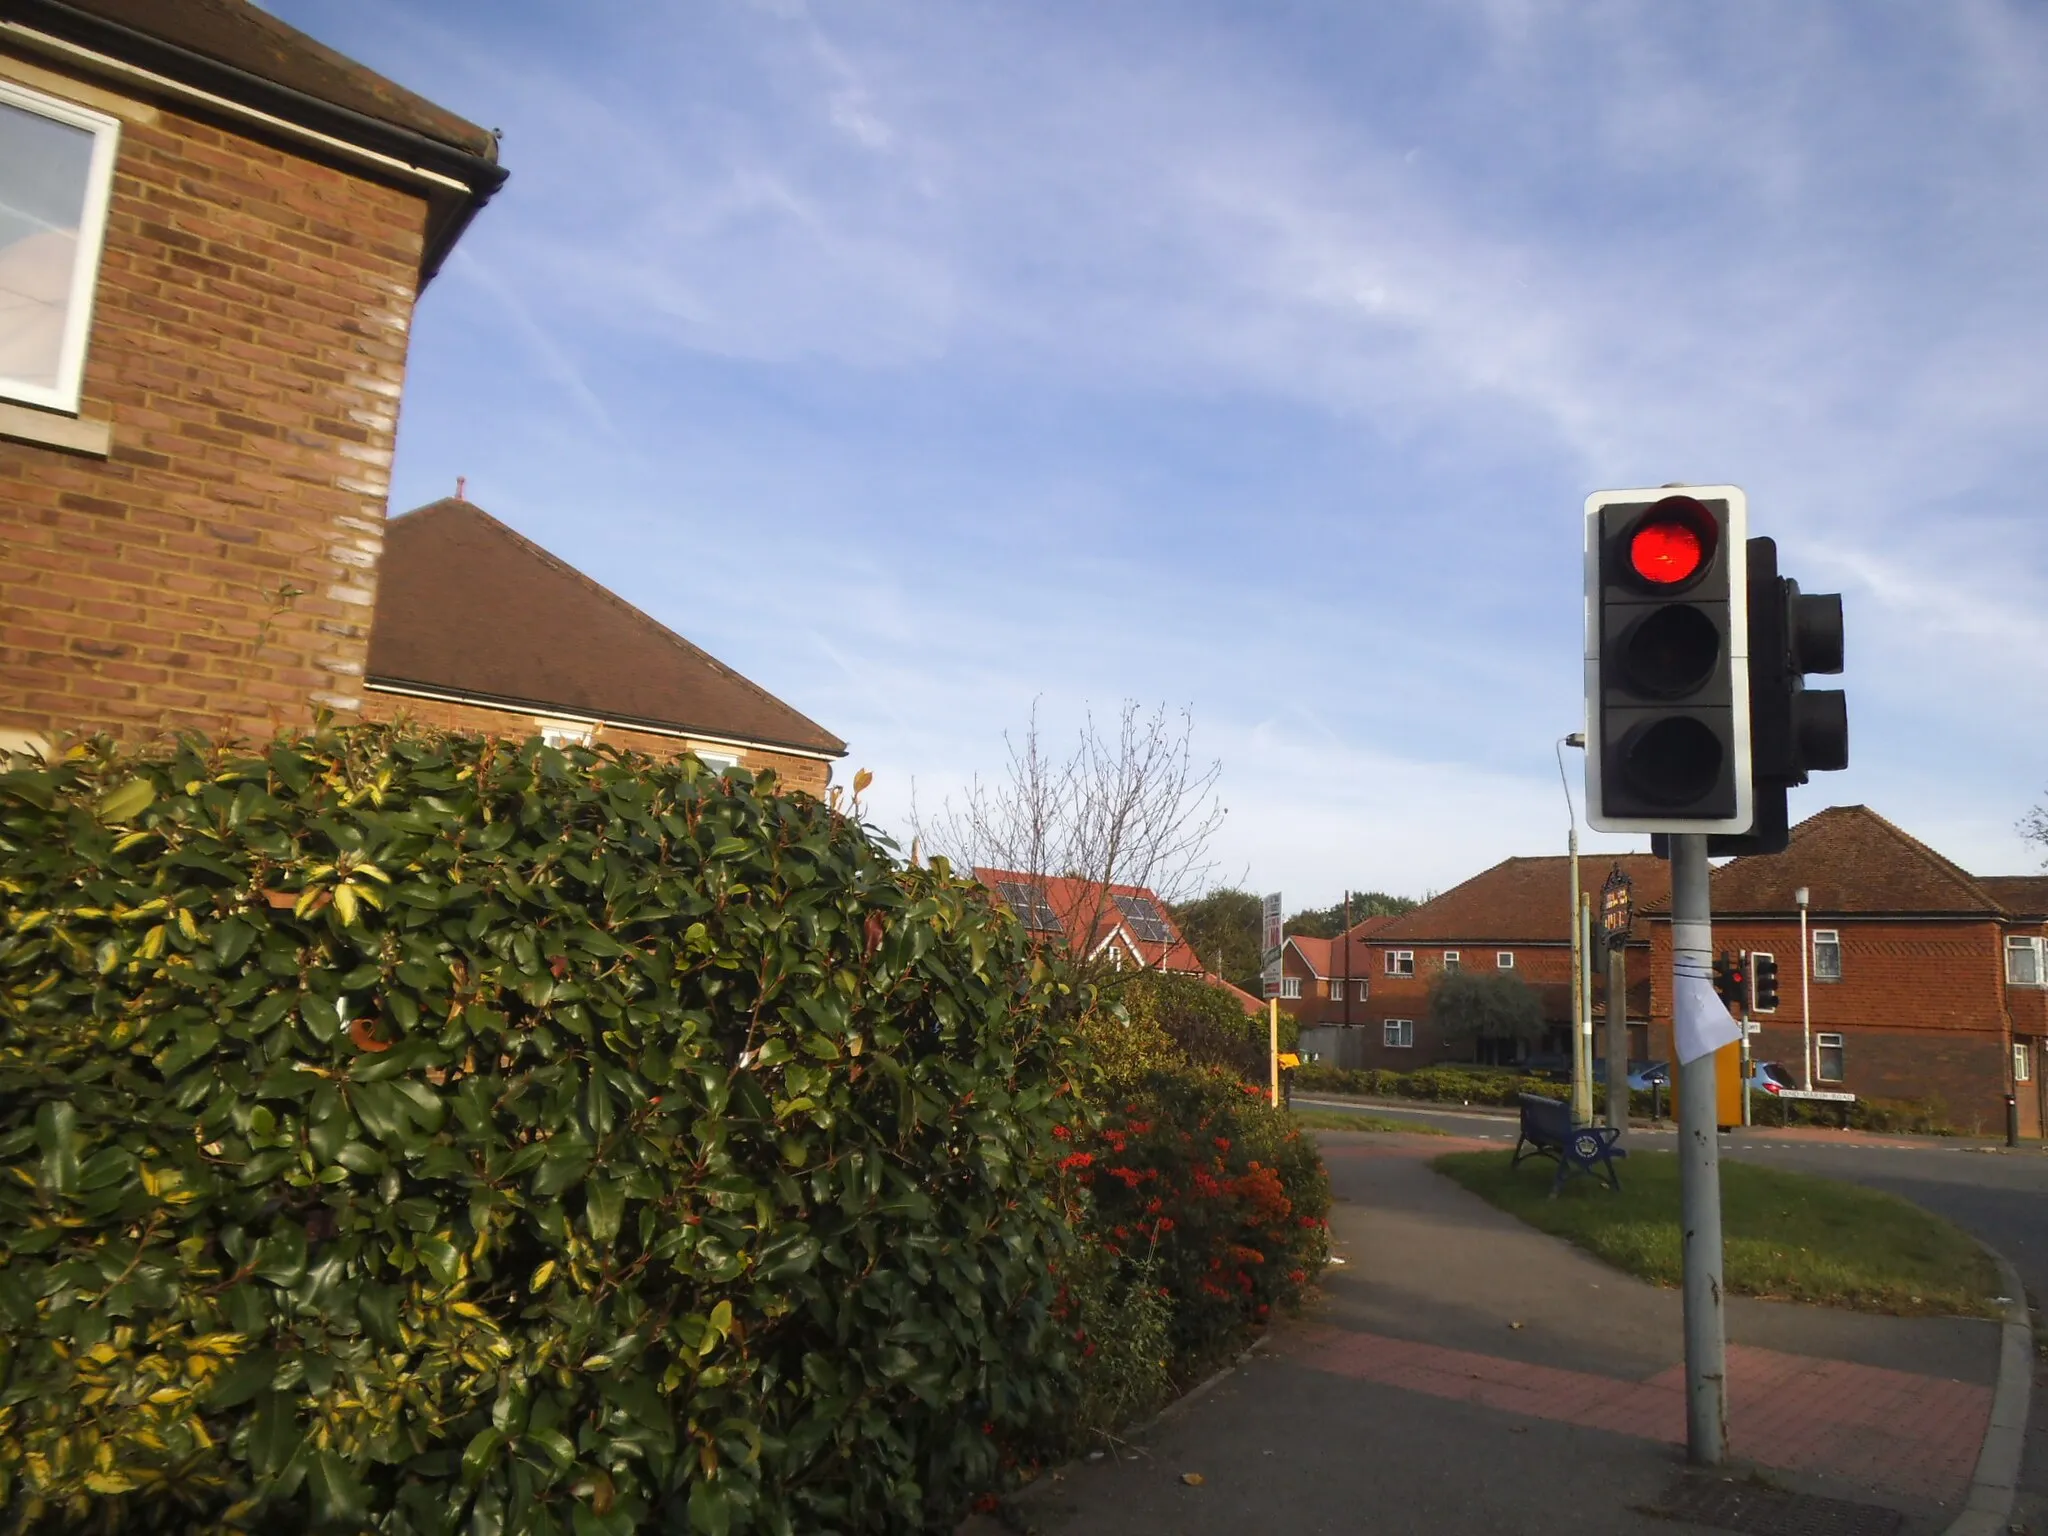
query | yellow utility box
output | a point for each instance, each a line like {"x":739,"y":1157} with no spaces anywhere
{"x":1727,"y":1087}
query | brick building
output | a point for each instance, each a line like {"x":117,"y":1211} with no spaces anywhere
{"x":1925,"y":981}
{"x":213,"y":231}
{"x":479,"y":629}
{"x":1513,"y":918}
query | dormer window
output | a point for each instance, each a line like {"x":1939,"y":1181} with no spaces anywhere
{"x":56,"y":166}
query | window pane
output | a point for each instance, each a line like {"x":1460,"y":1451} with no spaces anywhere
{"x":1827,"y":957}
{"x":2022,"y":1063}
{"x":1829,"y":1063}
{"x":43,"y":166}
{"x":2023,"y":962}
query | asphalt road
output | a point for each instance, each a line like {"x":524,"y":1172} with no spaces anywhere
{"x":1998,"y":1194}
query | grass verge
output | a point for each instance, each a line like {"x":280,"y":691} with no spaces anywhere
{"x":1342,"y":1120}
{"x":1784,"y":1235}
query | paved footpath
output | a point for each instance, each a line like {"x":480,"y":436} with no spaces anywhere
{"x":1466,"y":1373}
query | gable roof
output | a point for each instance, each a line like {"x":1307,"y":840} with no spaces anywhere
{"x":1522,"y":901}
{"x":235,"y":52}
{"x":467,"y":608}
{"x":1314,"y":952}
{"x":1852,"y":861}
{"x":1089,"y":918}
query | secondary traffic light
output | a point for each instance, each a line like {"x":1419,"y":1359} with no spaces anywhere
{"x":1667,"y":644}
{"x":1731,"y":979}
{"x":1763,"y":982}
{"x":1794,"y":730}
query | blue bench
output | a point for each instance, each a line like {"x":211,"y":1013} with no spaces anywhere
{"x":1547,"y":1131}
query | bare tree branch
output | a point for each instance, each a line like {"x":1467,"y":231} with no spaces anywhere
{"x":1134,"y":807}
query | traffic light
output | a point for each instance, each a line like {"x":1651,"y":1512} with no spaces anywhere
{"x":1794,"y":730}
{"x":1667,"y":645}
{"x":1731,"y":979}
{"x":1763,"y":982}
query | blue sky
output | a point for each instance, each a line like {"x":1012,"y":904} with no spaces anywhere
{"x":921,"y":361}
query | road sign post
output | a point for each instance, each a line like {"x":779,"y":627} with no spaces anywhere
{"x":1617,"y":917}
{"x":1272,"y":942}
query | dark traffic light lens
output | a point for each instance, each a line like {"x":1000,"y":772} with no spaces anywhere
{"x":1673,"y":762}
{"x":1672,"y":651}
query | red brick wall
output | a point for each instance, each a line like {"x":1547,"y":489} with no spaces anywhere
{"x":1921,"y":1007}
{"x":248,"y":346}
{"x":806,"y":773}
{"x":1546,"y":967}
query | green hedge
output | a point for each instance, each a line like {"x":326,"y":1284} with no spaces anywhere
{"x":427,"y":1134}
{"x":1451,"y":1085}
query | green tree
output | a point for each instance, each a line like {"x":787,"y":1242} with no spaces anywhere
{"x":1328,"y":922}
{"x":1223,"y":929}
{"x":1467,"y":1007}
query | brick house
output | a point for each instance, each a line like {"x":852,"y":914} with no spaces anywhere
{"x":213,"y":232}
{"x":1319,"y":976}
{"x":1926,"y":981}
{"x":1126,"y":925}
{"x":1514,"y":918}
{"x":479,"y":629}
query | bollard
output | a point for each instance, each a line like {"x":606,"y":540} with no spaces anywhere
{"x":2012,"y":1120}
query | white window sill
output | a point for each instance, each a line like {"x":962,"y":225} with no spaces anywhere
{"x":47,"y":429}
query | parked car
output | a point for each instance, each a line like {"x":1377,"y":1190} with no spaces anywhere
{"x":1641,"y":1074}
{"x":1769,"y":1077}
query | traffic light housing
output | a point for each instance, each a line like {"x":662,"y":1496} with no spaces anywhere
{"x":1668,"y":694}
{"x":1731,"y":979}
{"x":1763,"y":983}
{"x":1794,"y":730}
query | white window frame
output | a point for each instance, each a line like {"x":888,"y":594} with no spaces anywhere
{"x":1336,"y":989}
{"x":1832,"y":938}
{"x":2022,"y":1062}
{"x":1290,"y":986}
{"x":1400,"y":962}
{"x":1397,"y":1034}
{"x":2023,"y":944}
{"x":1364,"y":989}
{"x":715,"y":760}
{"x":1822,"y":1044}
{"x":1503,"y":959}
{"x":1451,"y":960}
{"x":563,"y":733}
{"x":1752,"y":981}
{"x":85,"y":263}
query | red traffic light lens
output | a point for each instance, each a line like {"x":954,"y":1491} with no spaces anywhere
{"x":1666,"y":552}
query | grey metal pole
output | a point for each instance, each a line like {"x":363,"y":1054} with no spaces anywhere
{"x":1582,"y":1027}
{"x":1699,"y":1173}
{"x":1617,"y":1035}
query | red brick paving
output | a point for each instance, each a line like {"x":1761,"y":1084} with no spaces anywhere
{"x":1909,"y":1435}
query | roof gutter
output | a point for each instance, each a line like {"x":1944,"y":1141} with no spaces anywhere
{"x":541,"y":710}
{"x":457,"y":182}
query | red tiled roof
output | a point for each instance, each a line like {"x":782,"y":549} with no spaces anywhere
{"x":468,"y":608}
{"x":2020,"y":895}
{"x":1315,"y":953}
{"x":1852,"y":861}
{"x":1088,"y":917}
{"x":1521,"y":901}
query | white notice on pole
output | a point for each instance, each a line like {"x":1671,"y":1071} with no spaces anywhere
{"x":1271,"y":938}
{"x":1704,"y":1023}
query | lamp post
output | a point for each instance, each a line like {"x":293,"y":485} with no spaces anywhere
{"x":1801,"y":896}
{"x":1582,"y":1085}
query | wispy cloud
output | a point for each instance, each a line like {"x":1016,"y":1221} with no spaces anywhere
{"x":960,"y":355}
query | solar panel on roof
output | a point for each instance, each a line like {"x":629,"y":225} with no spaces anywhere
{"x":1144,"y":920}
{"x":1030,"y":905}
